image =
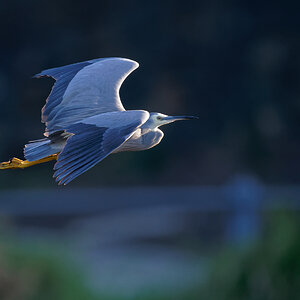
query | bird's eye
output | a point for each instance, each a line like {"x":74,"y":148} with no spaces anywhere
{"x":159,"y":118}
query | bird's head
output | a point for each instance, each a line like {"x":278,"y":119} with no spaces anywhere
{"x":158,"y":119}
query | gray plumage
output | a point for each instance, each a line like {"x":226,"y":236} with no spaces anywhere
{"x":86,"y":121}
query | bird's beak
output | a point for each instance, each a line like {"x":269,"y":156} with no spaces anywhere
{"x":170,"y":119}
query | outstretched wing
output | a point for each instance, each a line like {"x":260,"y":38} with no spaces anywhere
{"x":84,"y":89}
{"x":93,"y":139}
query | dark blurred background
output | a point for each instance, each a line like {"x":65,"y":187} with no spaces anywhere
{"x":218,"y":190}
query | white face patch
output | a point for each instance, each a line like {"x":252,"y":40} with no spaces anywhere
{"x":158,"y":119}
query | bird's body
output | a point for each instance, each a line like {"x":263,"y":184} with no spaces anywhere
{"x":143,"y":138}
{"x":86,"y":121}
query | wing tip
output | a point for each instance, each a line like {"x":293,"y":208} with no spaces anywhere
{"x":40,"y":75}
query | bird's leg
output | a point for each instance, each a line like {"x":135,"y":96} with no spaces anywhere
{"x":16,"y":163}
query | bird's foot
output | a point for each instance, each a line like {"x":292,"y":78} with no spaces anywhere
{"x":14,"y":163}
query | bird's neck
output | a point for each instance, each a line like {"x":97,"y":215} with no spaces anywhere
{"x":150,"y":125}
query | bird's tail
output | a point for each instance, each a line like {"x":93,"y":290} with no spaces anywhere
{"x":39,"y":149}
{"x":36,"y":152}
{"x":53,"y":144}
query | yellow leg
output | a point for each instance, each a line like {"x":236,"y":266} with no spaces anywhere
{"x":16,"y":163}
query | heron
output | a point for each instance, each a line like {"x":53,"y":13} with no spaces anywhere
{"x":85,"y":120}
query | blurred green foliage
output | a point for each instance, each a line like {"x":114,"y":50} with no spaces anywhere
{"x":30,"y":273}
{"x":266,"y":270}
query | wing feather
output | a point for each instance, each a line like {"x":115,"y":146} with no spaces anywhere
{"x":93,"y":139}
{"x":84,"y":89}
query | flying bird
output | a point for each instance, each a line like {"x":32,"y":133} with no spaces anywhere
{"x":86,"y":121}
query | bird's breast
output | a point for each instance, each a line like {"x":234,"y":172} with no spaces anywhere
{"x":142,"y":140}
